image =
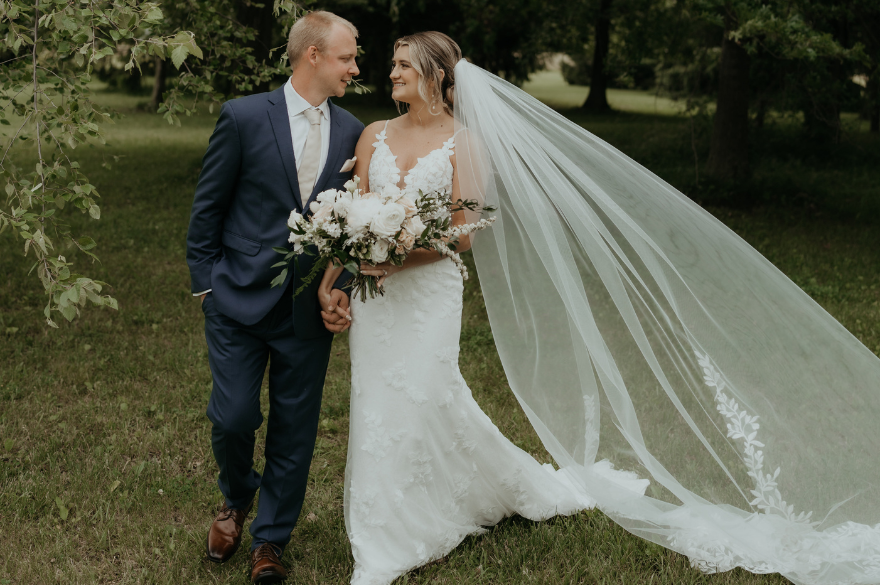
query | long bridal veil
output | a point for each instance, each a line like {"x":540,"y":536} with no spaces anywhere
{"x":641,"y":335}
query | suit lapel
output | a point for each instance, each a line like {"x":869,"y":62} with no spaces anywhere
{"x":331,"y":166}
{"x":281,"y":127}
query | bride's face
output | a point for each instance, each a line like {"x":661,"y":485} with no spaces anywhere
{"x":404,"y":77}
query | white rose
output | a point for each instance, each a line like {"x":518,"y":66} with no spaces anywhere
{"x":379,"y":251}
{"x":294,"y":220}
{"x":416,"y":225}
{"x":387,"y":222}
{"x":328,"y":196}
{"x":361,"y":214}
{"x":351,"y":185}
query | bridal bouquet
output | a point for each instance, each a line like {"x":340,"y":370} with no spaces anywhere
{"x":350,"y":227}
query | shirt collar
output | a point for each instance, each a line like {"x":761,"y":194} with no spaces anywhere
{"x":296,"y":104}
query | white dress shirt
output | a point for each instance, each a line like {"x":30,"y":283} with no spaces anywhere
{"x":299,"y":131}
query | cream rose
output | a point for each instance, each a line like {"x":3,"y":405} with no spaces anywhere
{"x":408,"y":206}
{"x":406,"y":239}
{"x":388,"y":220}
{"x":379,"y":251}
{"x":323,"y":212}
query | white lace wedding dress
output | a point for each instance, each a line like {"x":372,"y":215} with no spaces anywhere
{"x":426,"y":467}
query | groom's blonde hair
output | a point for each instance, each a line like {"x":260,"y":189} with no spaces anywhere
{"x":313,"y":30}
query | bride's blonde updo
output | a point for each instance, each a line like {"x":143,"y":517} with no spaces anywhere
{"x":431,"y":53}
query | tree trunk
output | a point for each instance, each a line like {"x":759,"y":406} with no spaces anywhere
{"x":158,"y":84}
{"x":729,"y":151}
{"x":263,"y":21}
{"x":874,"y":101}
{"x":597,"y":99}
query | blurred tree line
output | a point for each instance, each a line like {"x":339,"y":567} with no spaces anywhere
{"x":749,"y":58}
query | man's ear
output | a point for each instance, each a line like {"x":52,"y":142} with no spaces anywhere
{"x":312,"y":55}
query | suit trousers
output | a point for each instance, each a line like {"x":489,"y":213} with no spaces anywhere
{"x":238,"y":355}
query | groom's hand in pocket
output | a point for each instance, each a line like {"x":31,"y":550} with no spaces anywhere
{"x":335,"y":314}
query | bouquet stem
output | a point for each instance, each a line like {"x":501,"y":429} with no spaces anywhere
{"x":363,"y":285}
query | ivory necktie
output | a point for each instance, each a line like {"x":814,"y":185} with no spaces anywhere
{"x":311,"y":156}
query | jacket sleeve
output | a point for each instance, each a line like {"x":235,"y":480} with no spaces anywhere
{"x":214,"y":193}
{"x":342,"y":282}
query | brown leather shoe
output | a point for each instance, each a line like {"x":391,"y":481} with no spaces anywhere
{"x":266,"y":567}
{"x":224,"y":537}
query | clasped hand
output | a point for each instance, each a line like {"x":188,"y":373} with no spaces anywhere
{"x":334,"y":309}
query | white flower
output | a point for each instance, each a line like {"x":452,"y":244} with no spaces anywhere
{"x":294,"y":220}
{"x":343,"y":204}
{"x":333,"y":229}
{"x":392,"y":192}
{"x":314,"y":206}
{"x":387,"y":221}
{"x":351,"y":185}
{"x":328,"y":196}
{"x":297,"y":243}
{"x":361,"y":214}
{"x":379,"y":251}
{"x":416,"y":226}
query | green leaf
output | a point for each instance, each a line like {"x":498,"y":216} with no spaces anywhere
{"x":116,"y":483}
{"x":69,"y":312}
{"x":95,"y":212}
{"x":279,"y":280}
{"x":9,"y":444}
{"x":276,"y":248}
{"x":178,"y":55}
{"x":86,"y":243}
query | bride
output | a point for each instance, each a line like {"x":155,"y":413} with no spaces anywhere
{"x":682,"y":384}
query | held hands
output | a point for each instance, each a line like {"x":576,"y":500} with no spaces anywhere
{"x":334,"y":309}
{"x":383,"y":270}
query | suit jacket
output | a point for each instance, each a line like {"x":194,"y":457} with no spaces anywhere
{"x":247,"y":187}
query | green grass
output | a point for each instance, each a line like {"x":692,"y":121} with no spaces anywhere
{"x":106,"y":415}
{"x":550,"y":88}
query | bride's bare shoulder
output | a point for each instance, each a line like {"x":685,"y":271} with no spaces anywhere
{"x":371,"y":130}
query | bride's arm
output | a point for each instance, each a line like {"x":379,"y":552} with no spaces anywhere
{"x":421,"y":257}
{"x":364,"y":152}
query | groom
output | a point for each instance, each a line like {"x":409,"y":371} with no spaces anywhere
{"x":270,"y":153}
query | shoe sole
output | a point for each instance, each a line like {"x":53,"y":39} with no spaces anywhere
{"x":268,"y":579}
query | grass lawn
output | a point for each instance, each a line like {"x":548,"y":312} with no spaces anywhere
{"x":106,"y":473}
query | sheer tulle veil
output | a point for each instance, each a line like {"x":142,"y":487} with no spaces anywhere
{"x":643,"y":338}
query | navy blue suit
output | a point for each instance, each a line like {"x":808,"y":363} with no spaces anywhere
{"x":247,"y":187}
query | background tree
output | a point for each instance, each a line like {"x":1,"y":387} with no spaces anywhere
{"x":47,"y":112}
{"x":53,"y":48}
